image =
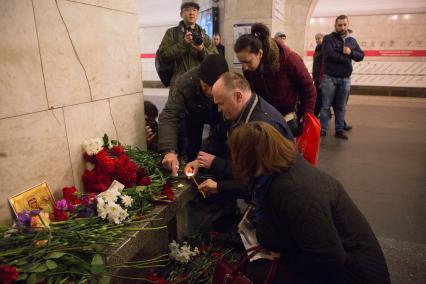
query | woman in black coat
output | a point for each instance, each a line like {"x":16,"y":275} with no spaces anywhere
{"x":304,"y":214}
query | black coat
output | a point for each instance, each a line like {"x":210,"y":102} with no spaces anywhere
{"x":187,"y":101}
{"x":337,"y":64}
{"x":319,"y":231}
{"x":216,"y":142}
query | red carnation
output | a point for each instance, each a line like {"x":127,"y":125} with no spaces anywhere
{"x":68,"y":193}
{"x":8,"y":274}
{"x":168,"y":192}
{"x":60,"y":215}
{"x":155,"y":279}
{"x":167,"y":185}
{"x":117,"y":150}
{"x":105,"y":164}
{"x":125,"y":171}
{"x":145,"y":180}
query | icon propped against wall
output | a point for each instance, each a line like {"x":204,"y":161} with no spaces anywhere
{"x":37,"y":197}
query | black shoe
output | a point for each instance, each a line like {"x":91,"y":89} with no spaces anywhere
{"x":323,"y":133}
{"x":341,"y":135}
{"x":347,"y":127}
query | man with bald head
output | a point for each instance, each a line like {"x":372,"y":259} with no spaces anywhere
{"x":238,"y":105}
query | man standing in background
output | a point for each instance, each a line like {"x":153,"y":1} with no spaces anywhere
{"x":317,"y":72}
{"x":187,"y":44}
{"x":339,"y":49}
{"x":219,"y":46}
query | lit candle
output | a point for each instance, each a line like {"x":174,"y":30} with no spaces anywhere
{"x":196,"y":183}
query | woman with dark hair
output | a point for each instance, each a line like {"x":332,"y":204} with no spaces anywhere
{"x":277,"y":74}
{"x":303,"y":214}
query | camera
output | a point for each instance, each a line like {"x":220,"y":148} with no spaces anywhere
{"x":152,"y":123}
{"x":196,"y":37}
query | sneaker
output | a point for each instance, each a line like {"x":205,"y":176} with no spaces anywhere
{"x":341,"y":135}
{"x":323,"y":133}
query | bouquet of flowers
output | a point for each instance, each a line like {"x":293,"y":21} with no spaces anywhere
{"x":195,"y":265}
{"x":68,"y":245}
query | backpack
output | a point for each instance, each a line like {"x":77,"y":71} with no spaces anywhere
{"x":165,"y":69}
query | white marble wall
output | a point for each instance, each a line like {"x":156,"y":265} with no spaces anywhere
{"x":69,"y":71}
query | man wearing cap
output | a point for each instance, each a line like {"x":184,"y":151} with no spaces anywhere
{"x":180,"y":45}
{"x":280,"y":36}
{"x":188,"y":108}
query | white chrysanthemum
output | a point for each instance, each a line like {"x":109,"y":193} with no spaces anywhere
{"x":93,"y":146}
{"x":110,"y":196}
{"x":127,"y":200}
{"x":182,"y":254}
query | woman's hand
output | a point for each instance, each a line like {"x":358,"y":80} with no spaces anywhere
{"x":209,"y":187}
{"x":205,"y":160}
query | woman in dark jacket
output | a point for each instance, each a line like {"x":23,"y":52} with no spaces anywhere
{"x":276,"y":73}
{"x":304,"y":214}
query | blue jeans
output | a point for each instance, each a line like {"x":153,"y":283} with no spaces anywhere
{"x":337,"y":89}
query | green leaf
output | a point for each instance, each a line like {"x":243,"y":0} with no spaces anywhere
{"x":32,"y":279}
{"x":98,"y":266}
{"x":22,"y":262}
{"x":22,"y":276}
{"x":51,"y":264}
{"x":57,"y":254}
{"x":105,"y":279}
{"x":41,"y":267}
{"x":106,"y":141}
{"x":97,"y":260}
{"x":97,"y":269}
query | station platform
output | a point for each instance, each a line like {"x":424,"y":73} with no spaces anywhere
{"x":383,"y":168}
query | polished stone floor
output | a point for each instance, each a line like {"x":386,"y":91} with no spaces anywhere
{"x":383,"y":168}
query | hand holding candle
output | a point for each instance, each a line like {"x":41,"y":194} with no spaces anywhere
{"x":191,"y":174}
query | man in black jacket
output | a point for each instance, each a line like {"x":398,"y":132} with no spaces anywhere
{"x":238,"y":105}
{"x":339,"y":49}
{"x":188,"y":108}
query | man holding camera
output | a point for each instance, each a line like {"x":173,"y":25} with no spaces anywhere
{"x":186,"y":44}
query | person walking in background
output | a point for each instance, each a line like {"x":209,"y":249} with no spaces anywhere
{"x":317,"y":71}
{"x":339,"y":49}
{"x":277,"y":74}
{"x":187,"y":44}
{"x":302,"y":214}
{"x":219,"y":46}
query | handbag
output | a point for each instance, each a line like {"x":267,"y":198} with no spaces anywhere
{"x":308,"y":143}
{"x":226,"y":273}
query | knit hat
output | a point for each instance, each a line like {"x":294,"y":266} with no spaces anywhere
{"x":280,"y":34}
{"x":212,"y":67}
{"x":186,"y":4}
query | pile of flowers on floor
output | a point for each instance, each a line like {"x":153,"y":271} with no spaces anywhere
{"x":68,"y":244}
{"x":194,"y":261}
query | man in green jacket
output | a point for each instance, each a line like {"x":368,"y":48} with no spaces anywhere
{"x":186,"y":44}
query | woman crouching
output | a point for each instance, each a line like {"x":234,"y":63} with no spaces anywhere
{"x":303,"y":214}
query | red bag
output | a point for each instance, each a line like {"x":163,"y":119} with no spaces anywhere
{"x":225,"y":273}
{"x":308,"y":142}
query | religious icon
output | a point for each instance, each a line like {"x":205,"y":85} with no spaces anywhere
{"x":37,"y":197}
